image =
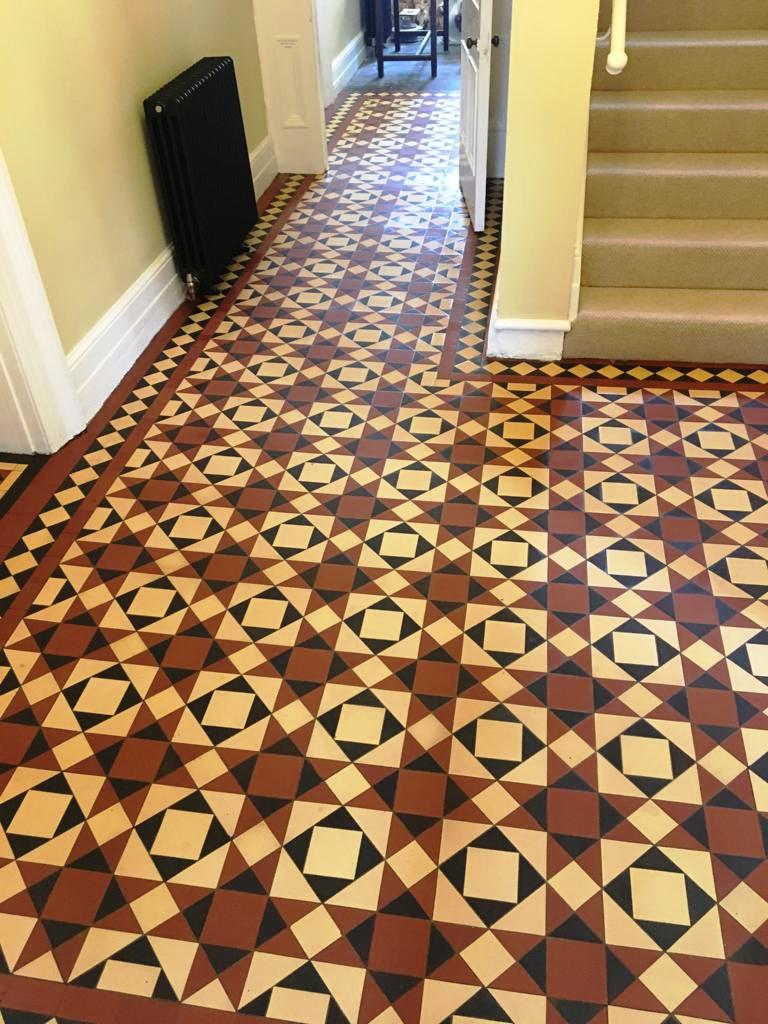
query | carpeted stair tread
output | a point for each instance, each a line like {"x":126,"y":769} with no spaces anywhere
{"x":684,"y":185}
{"x":679,"y":120}
{"x":674,"y":324}
{"x":667,"y":253}
{"x":689,"y":60}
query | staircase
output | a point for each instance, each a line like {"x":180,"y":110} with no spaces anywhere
{"x":675,"y":260}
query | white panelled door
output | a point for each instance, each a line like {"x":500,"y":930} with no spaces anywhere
{"x":476,"y":31}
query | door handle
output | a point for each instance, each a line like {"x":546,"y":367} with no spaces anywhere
{"x":495,"y":41}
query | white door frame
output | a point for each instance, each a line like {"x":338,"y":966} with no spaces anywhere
{"x":33,"y":366}
{"x":293,"y":92}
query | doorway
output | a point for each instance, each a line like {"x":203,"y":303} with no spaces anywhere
{"x":472,"y":62}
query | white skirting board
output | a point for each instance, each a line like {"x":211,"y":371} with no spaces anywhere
{"x":263,"y":166}
{"x":525,"y":339}
{"x":107,"y":352}
{"x":346,"y":63}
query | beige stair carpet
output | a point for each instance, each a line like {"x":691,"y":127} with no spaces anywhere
{"x":675,"y":262}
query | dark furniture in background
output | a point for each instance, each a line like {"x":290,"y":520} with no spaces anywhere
{"x":446,"y":33}
{"x":383,"y":15}
{"x":198,"y":143}
{"x":369,"y":21}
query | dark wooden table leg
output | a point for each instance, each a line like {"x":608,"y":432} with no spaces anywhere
{"x":396,"y":23}
{"x":378,"y":21}
{"x":433,"y":35}
{"x":446,"y":25}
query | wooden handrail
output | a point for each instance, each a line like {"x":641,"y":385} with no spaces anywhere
{"x":617,"y":58}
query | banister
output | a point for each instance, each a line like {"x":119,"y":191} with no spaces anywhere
{"x":617,"y":58}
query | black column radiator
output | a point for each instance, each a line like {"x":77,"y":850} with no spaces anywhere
{"x":201,"y":156}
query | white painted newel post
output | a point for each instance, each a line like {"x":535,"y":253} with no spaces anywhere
{"x":552,"y":55}
{"x":617,"y":58}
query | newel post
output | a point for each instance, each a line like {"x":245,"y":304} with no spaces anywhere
{"x":552,"y":53}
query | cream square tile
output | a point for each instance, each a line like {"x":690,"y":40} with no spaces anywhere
{"x":511,"y":553}
{"x":133,"y":979}
{"x":39,"y":814}
{"x":659,"y":896}
{"x":646,"y":757}
{"x":747,"y":906}
{"x":293,"y":535}
{"x":379,"y":624}
{"x":491,"y":874}
{"x":299,"y":1007}
{"x":414,"y":480}
{"x":668,"y":982}
{"x":574,"y":885}
{"x":358,"y":724}
{"x":333,"y":852}
{"x":316,"y":931}
{"x":228,"y":709}
{"x":487,"y":958}
{"x":102,"y":696}
{"x":505,"y":637}
{"x":499,"y":740}
{"x":620,"y":494}
{"x":626,"y":563}
{"x":635,"y":649}
{"x":264,"y":613}
{"x":182,"y":834}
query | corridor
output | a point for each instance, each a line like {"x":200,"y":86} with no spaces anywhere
{"x":348,"y":678}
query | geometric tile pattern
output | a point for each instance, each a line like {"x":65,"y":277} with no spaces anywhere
{"x":16,"y":473}
{"x":357,"y":693}
{"x":9,"y":1016}
{"x":81,"y":465}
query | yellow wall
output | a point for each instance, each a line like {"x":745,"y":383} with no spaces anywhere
{"x":551,"y":63}
{"x":72,"y":130}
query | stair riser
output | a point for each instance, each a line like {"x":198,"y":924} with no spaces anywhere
{"x":670,"y":342}
{"x":613,"y":264}
{"x":663,"y":130}
{"x":682,"y":66}
{"x":668,"y":15}
{"x":676,"y":196}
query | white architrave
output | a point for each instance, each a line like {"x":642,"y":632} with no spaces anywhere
{"x":41,"y":411}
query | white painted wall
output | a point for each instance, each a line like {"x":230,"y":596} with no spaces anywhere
{"x":341,"y":46}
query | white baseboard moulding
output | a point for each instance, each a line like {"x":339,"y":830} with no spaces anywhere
{"x":346,"y":63}
{"x":263,"y":166}
{"x":539,"y":340}
{"x":103,"y":357}
{"x":107,"y":352}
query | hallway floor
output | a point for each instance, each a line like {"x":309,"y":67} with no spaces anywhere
{"x":349,"y":679}
{"x":410,"y":76}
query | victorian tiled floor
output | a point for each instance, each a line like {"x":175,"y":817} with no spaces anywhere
{"x":349,"y":679}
